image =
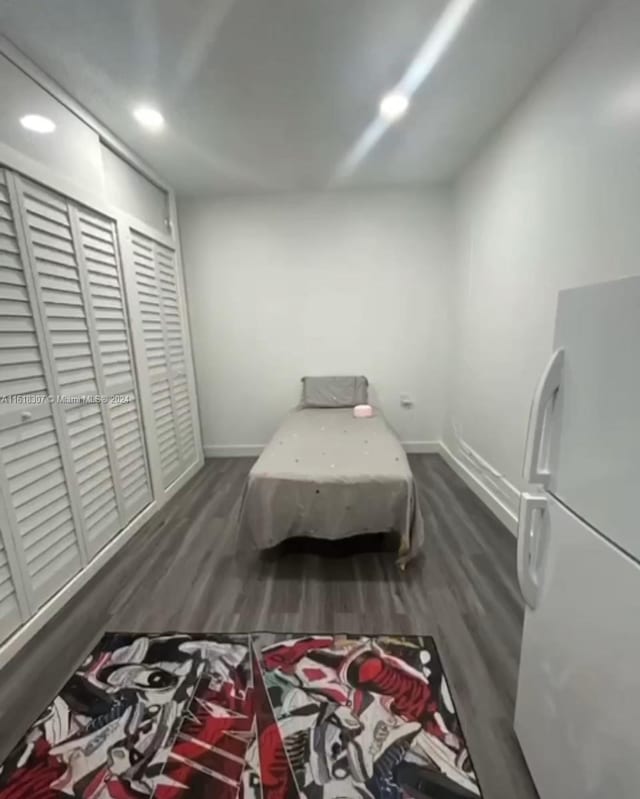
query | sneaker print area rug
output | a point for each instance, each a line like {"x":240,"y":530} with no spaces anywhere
{"x":252,"y":716}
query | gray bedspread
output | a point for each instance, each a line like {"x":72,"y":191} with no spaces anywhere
{"x":326,"y":474}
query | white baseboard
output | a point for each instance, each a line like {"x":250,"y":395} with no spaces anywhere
{"x":420,"y":447}
{"x":495,"y":503}
{"x":232,"y":450}
{"x":183,"y":479}
{"x":490,"y":498}
{"x":253,"y":450}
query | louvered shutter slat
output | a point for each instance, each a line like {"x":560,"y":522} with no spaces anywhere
{"x":9,"y":281}
{"x":21,"y":469}
{"x":47,"y":465}
{"x":38,"y":506}
{"x":165,"y":431}
{"x":50,"y":492}
{"x":149,"y":299}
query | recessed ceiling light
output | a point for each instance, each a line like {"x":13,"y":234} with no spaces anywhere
{"x":393,"y":106}
{"x":37,"y":123}
{"x":149,"y":118}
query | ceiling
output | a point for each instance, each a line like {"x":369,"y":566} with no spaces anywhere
{"x":272,"y":95}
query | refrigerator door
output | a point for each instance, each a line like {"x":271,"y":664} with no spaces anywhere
{"x":578,"y":702}
{"x":594,"y":429}
{"x":530,"y":519}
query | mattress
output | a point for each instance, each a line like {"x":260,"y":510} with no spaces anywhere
{"x":326,"y":474}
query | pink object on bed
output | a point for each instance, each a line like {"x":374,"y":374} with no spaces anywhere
{"x":363,"y":411}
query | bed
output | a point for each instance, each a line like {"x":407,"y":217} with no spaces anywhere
{"x":326,"y":474}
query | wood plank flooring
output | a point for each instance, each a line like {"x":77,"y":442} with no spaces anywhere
{"x":184,"y":571}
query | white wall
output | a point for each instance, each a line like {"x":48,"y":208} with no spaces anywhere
{"x":280,"y":287}
{"x":554,"y":202}
{"x":130,"y":190}
{"x":73,"y":156}
{"x":71,"y":152}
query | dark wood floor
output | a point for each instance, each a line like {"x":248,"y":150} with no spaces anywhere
{"x":184,"y":571}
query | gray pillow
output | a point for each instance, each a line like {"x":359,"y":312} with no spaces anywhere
{"x":334,"y":392}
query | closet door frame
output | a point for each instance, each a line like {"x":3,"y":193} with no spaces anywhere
{"x":184,"y":311}
{"x":15,"y":558}
{"x":9,"y":528}
{"x":125,"y":223}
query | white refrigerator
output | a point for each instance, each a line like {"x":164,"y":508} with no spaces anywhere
{"x":578,"y":704}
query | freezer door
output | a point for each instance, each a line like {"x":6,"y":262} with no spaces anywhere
{"x":578,"y":704}
{"x":594,"y":459}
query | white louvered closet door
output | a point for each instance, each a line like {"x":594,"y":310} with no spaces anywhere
{"x":175,"y":344}
{"x":163,"y":331}
{"x":110,"y":324}
{"x":41,"y":547}
{"x":57,"y":275}
{"x":74,"y":261}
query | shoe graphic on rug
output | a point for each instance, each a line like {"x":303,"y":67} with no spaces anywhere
{"x":423,"y":784}
{"x":347,"y":746}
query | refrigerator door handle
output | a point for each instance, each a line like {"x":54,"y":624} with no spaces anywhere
{"x":528,"y":576}
{"x":534,"y":470}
